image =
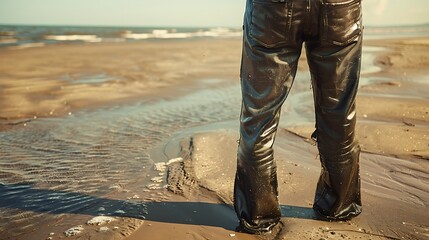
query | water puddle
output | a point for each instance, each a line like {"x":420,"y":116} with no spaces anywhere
{"x":368,"y":58}
{"x":99,"y":78}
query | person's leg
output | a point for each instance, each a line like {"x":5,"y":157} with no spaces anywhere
{"x":334,"y":62}
{"x":269,"y":64}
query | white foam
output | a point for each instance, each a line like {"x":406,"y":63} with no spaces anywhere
{"x":134,"y":197}
{"x":159,"y":31}
{"x":86,"y":38}
{"x":99,"y":220}
{"x":154,"y":186}
{"x":218,"y":32}
{"x":160,"y":166}
{"x":161,"y":34}
{"x":174,"y":160}
{"x":74,"y":231}
{"x":172,"y":34}
{"x":103,"y":229}
{"x":157,"y":179}
{"x":136,"y":35}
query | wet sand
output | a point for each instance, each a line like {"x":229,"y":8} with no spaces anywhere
{"x":145,"y":133}
{"x":56,"y":80}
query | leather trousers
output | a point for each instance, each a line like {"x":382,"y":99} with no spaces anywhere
{"x":274,"y":32}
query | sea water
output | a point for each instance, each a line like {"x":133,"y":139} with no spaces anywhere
{"x":38,"y":36}
{"x":23,"y":36}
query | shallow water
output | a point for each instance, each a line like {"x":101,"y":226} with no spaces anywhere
{"x":99,"y":78}
{"x":94,"y":153}
{"x":74,"y":165}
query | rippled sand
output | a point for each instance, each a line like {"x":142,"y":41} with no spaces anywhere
{"x":89,"y":131}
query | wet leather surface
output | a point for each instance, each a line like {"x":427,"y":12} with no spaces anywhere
{"x":274,"y":33}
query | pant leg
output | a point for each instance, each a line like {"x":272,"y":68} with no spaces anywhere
{"x":334,"y":63}
{"x":269,"y":64}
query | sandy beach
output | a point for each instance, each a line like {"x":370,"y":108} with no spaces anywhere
{"x":144,"y":134}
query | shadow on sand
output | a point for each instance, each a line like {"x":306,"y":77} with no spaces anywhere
{"x":26,"y":198}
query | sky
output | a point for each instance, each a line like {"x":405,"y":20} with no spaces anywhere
{"x":181,"y":13}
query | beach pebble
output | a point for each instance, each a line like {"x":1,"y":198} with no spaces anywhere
{"x":74,"y":231}
{"x":51,"y":234}
{"x":99,"y":220}
{"x":232,"y":234}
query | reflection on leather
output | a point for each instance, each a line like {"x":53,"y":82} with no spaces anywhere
{"x":274,"y":32}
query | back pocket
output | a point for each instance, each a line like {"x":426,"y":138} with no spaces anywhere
{"x":270,"y":22}
{"x":342,"y":23}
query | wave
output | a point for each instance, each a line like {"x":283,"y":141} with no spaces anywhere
{"x":7,"y":37}
{"x":172,"y":34}
{"x":85,"y":38}
{"x":28,"y":36}
{"x":28,"y":45}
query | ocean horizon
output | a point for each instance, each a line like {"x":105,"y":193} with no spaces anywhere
{"x":41,"y":35}
{"x":24,"y":36}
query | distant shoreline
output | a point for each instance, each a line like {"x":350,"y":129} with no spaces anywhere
{"x":24,"y":36}
{"x":29,"y":36}
{"x":171,"y":26}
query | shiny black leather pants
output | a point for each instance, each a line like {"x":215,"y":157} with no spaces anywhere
{"x":274,"y":31}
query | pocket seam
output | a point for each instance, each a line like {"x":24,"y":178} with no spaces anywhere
{"x":342,"y":3}
{"x":357,"y":21}
{"x":287,"y":25}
